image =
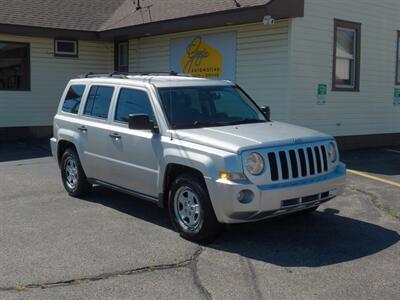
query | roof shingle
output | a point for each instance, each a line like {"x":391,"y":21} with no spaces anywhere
{"x":162,"y":10}
{"x":100,"y":15}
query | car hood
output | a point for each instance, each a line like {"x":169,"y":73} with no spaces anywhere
{"x":239,"y":138}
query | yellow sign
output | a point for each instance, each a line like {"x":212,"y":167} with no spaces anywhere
{"x":202,"y":60}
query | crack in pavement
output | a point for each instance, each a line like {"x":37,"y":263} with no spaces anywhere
{"x":376,"y":203}
{"x":190,"y":262}
{"x":196,"y":278}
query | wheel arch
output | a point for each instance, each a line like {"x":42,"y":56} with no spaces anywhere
{"x":172,"y":171}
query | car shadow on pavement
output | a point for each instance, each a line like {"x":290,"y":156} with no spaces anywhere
{"x":318,"y":239}
{"x":24,"y":149}
{"x":383,"y":161}
{"x":127,"y":204}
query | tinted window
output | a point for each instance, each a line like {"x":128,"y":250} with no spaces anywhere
{"x":132,"y":102}
{"x":14,"y":66}
{"x":73,"y":99}
{"x":98,"y":101}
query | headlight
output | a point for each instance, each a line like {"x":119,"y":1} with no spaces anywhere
{"x":254,"y":163}
{"x":332,"y":152}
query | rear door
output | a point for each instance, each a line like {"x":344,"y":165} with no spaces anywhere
{"x":93,"y":129}
{"x":134,"y":153}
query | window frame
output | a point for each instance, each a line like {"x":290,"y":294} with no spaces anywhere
{"x":86,"y":98}
{"x":356,"y":27}
{"x":397,"y":79}
{"x":116,"y":102}
{"x":83,"y":99}
{"x":117,"y":57}
{"x":29,"y":87}
{"x":66,"y":54}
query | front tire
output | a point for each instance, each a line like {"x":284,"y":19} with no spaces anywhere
{"x":191,"y":211}
{"x":73,"y":176}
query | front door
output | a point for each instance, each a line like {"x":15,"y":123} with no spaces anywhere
{"x":134,"y":153}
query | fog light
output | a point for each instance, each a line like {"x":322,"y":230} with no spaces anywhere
{"x":245,"y":196}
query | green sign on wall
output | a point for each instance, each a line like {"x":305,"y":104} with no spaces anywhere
{"x":322,"y":89}
{"x":397,"y":93}
{"x":396,"y":98}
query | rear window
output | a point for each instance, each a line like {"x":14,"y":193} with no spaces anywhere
{"x":73,"y":99}
{"x":98,"y":101}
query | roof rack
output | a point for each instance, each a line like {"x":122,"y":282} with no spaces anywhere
{"x":116,"y":74}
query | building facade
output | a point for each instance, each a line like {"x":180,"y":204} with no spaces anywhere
{"x":326,"y":64}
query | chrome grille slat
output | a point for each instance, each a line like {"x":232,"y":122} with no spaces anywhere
{"x":324,"y":158}
{"x":297,"y":162}
{"x":318,"y":155}
{"x":309,"y":167}
{"x":278,"y":163}
{"x":290,"y":165}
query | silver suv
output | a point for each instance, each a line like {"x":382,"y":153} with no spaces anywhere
{"x":201,"y":148}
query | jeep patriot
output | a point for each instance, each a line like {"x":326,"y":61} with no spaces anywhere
{"x":201,"y":148}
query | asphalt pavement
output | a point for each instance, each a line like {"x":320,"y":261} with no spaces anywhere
{"x":113,"y":246}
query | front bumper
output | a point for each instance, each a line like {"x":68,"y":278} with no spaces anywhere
{"x":273,"y":200}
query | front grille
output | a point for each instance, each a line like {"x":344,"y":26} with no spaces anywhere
{"x":297,"y":163}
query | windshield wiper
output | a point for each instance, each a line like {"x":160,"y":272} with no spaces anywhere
{"x":197,"y":124}
{"x":245,"y":121}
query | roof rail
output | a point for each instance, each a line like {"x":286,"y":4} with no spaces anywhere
{"x":126,"y":74}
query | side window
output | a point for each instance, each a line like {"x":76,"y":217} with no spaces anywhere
{"x":73,"y":99}
{"x":346,"y":65}
{"x":132,"y":102}
{"x":98,"y":101}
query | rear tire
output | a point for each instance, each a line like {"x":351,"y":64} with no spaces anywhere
{"x":191,"y":211}
{"x":72,"y":174}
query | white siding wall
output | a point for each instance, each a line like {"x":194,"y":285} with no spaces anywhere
{"x":262,"y":60}
{"x":369,"y":111}
{"x":49,"y":76}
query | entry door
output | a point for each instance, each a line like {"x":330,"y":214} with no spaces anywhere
{"x":93,"y":131}
{"x":135,"y":153}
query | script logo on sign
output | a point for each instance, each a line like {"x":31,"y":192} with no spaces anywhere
{"x":205,"y":56}
{"x":202,"y":60}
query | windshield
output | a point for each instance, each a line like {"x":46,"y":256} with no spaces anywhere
{"x":208,"y":106}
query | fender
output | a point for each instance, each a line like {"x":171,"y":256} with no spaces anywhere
{"x":73,"y":137}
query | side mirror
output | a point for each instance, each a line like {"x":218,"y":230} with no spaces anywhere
{"x":142,"y":122}
{"x":266,"y":111}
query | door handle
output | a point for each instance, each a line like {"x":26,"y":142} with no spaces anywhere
{"x":82,"y":129}
{"x":115,"y":136}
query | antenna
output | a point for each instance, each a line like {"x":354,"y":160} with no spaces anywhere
{"x":237,"y":3}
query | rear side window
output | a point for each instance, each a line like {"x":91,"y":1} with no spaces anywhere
{"x":98,"y":101}
{"x":73,"y":99}
{"x":133,"y":102}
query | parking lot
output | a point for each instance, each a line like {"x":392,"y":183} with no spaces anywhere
{"x":113,"y":246}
